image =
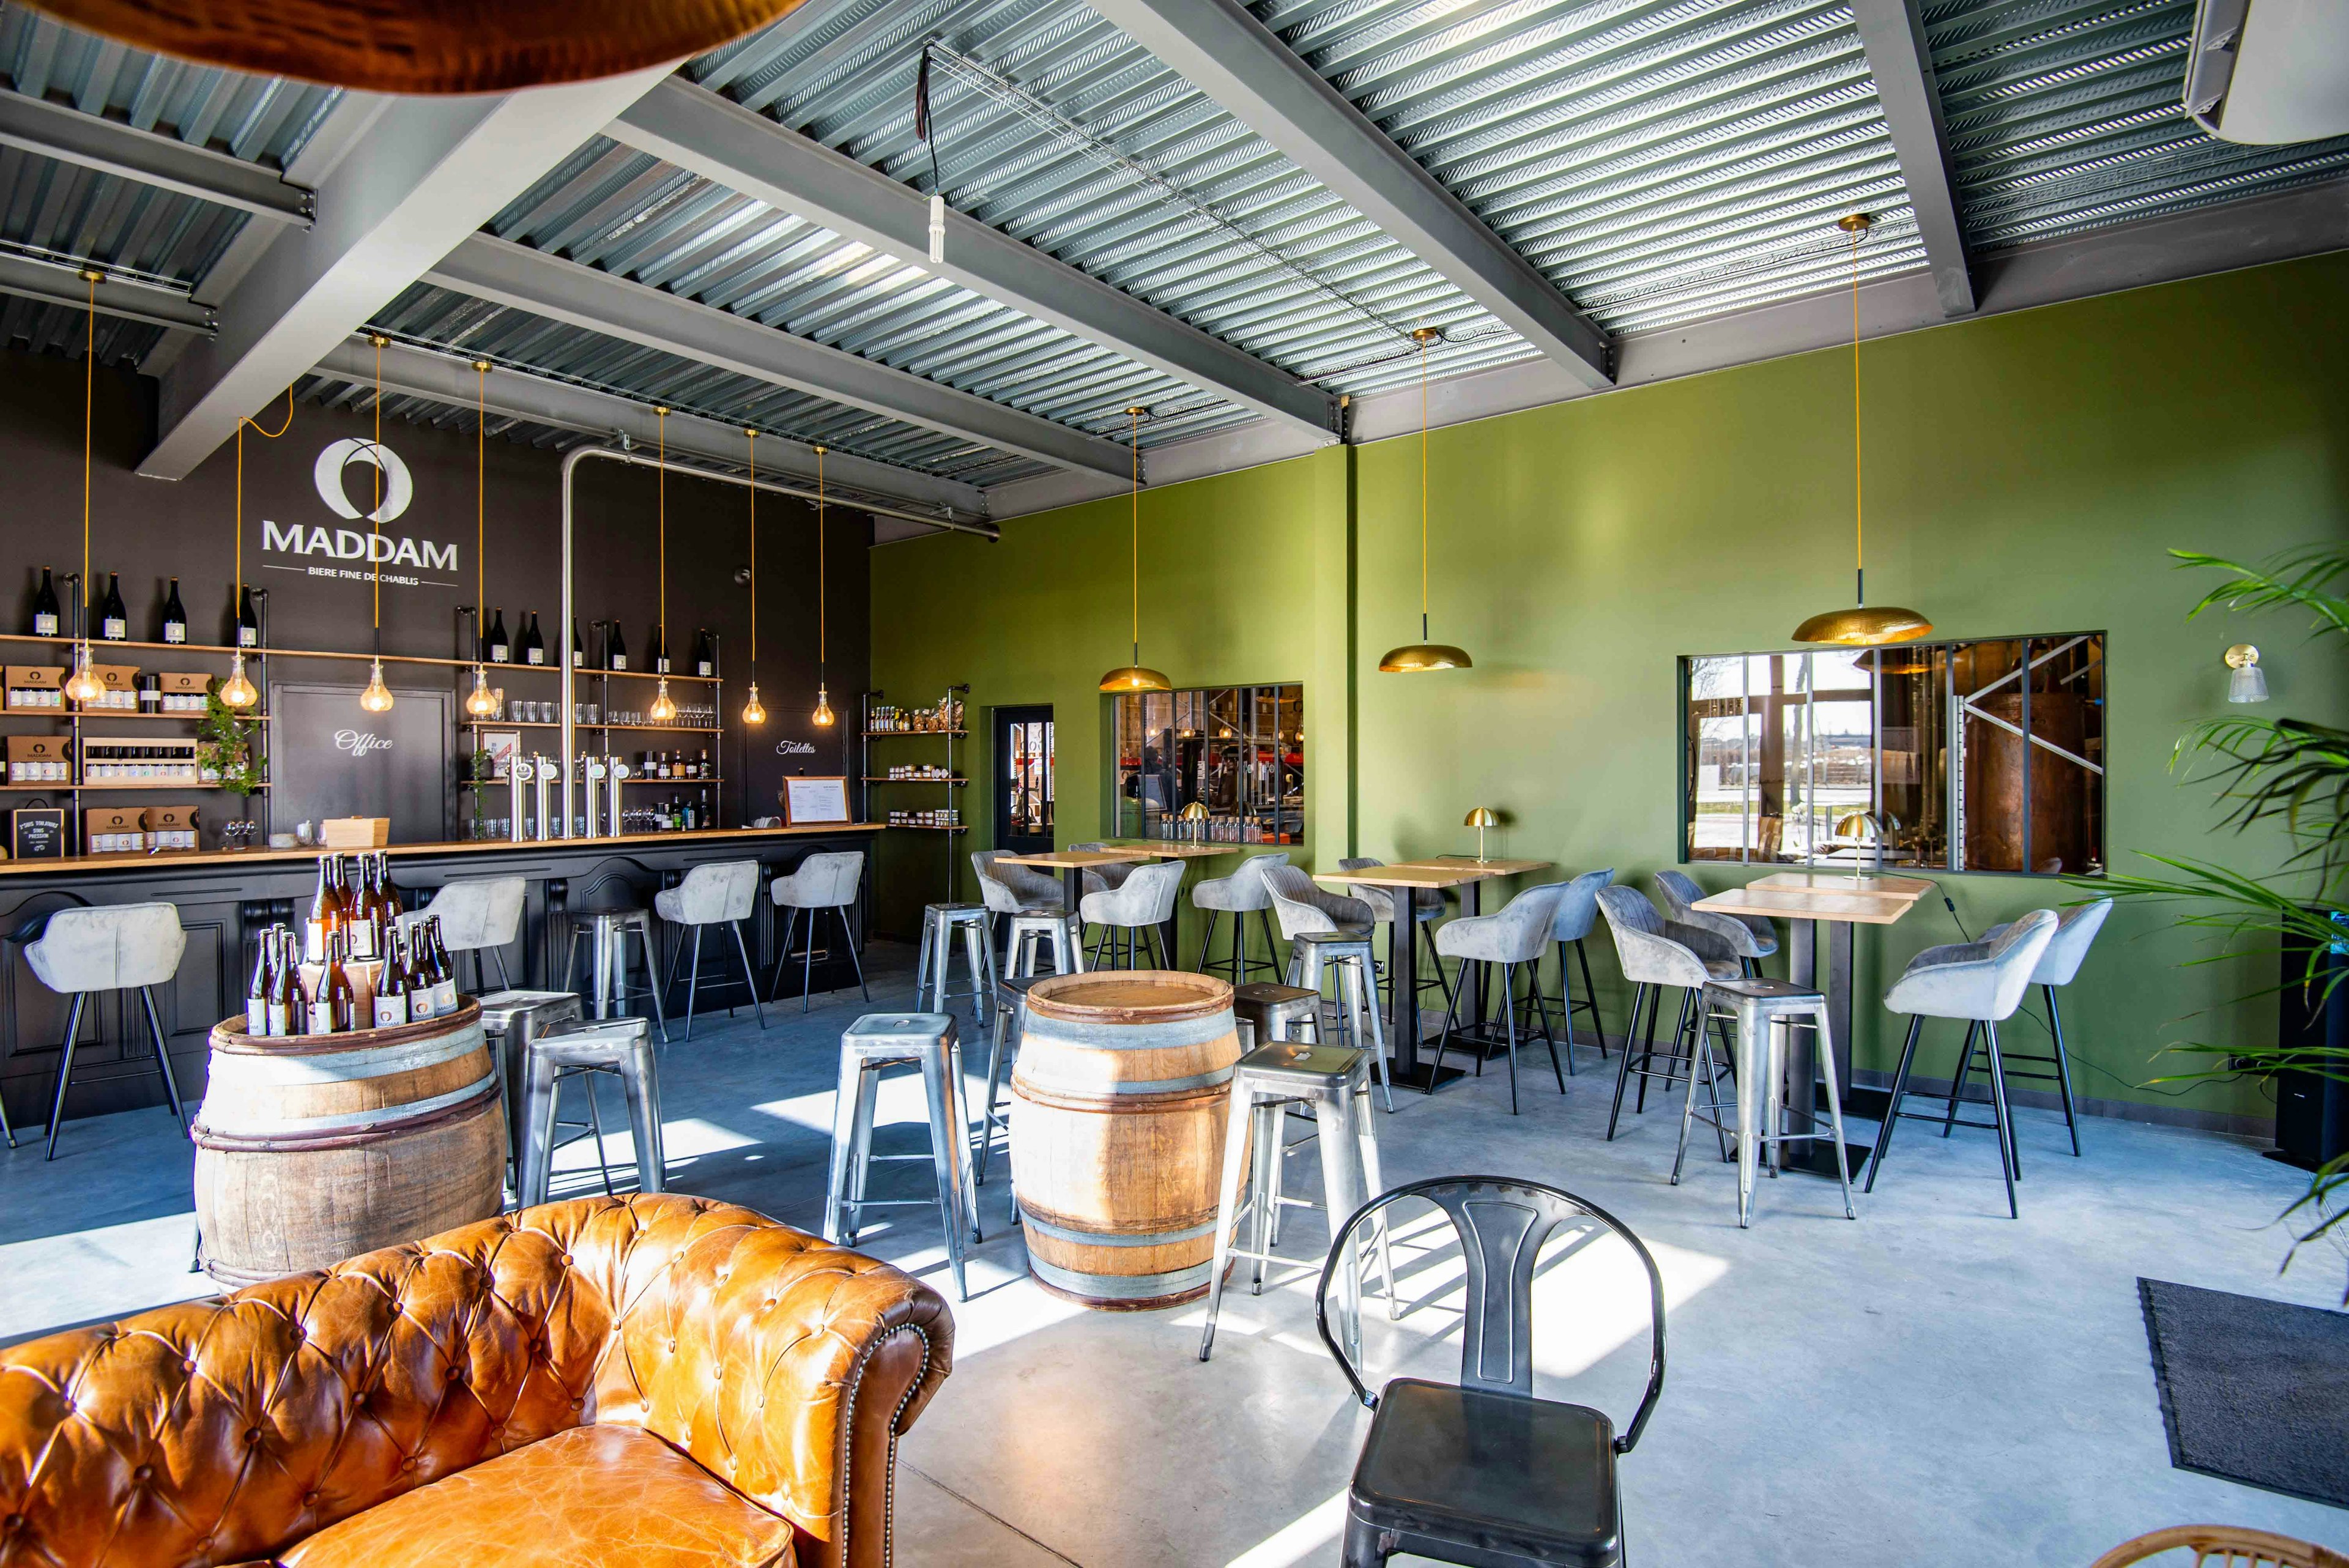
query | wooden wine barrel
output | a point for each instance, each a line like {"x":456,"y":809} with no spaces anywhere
{"x":317,"y":1147}
{"x":1119,"y":1104}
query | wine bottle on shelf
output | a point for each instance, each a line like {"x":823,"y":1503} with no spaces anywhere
{"x":361,"y":929}
{"x":615,"y":652}
{"x":325,"y":912}
{"x":248,"y":626}
{"x":285,"y":993}
{"x":114,"y":621}
{"x":578,"y":647}
{"x":175,"y":616}
{"x":422,"y":1005}
{"x":501,"y":651}
{"x":656,"y":652}
{"x":391,"y":987}
{"x":532,"y":646}
{"x":392,"y":908}
{"x":330,"y":1001}
{"x":444,"y":973}
{"x":47,"y":617}
{"x":705,"y":655}
{"x":258,"y":990}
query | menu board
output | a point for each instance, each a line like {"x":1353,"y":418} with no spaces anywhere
{"x":811,"y":800}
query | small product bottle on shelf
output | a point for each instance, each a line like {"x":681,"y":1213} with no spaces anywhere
{"x":500,"y":650}
{"x":705,"y":655}
{"x":114,"y":621}
{"x":615,"y":654}
{"x":532,"y":646}
{"x":175,"y":616}
{"x":47,"y":615}
{"x":656,"y":651}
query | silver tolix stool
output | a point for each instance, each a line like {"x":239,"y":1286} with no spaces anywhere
{"x":622,"y":1046}
{"x":1011,"y":1017}
{"x":868,"y":1048}
{"x":940,"y":923}
{"x":511,"y":1020}
{"x":1276,"y":1012}
{"x":607,"y":932}
{"x":1350,"y":950}
{"x":1767,"y":1011}
{"x":1337,"y":1084}
{"x":1055,"y":932}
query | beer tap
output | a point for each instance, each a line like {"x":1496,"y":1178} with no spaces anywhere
{"x":544,"y":773}
{"x":518,"y":773}
{"x":620,"y":771}
{"x":597,"y":772}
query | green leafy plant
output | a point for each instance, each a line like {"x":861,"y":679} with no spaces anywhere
{"x":2290,"y":774}
{"x":227,"y":743}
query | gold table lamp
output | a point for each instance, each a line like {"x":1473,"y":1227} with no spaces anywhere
{"x":1483,"y":818}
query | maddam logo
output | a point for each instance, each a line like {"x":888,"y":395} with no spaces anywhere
{"x":393,"y":489}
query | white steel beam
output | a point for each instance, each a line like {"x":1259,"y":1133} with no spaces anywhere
{"x":110,"y":147}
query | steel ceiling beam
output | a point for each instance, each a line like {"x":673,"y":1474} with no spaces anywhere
{"x":449,"y":379}
{"x":524,"y":279}
{"x":56,"y":284}
{"x":431,"y":172}
{"x":1223,"y":51}
{"x":710,"y":135}
{"x":1892,"y":32}
{"x":110,"y":147}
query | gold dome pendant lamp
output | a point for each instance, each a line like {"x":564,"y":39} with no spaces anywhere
{"x":480,"y":702}
{"x":1860,"y":625}
{"x":1414,"y":657}
{"x":425,"y":46}
{"x":822,"y":716}
{"x":753,"y":710}
{"x":664,"y":710}
{"x":1136,"y":676}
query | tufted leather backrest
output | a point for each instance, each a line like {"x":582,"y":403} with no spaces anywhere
{"x":227,"y":1430}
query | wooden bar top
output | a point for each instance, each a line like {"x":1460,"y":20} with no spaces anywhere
{"x":266,"y":857}
{"x":1821,"y":896}
{"x":1066,"y":859}
{"x":1444,"y":872}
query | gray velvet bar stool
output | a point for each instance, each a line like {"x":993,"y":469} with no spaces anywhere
{"x":1029,"y":904}
{"x":1336,"y":1083}
{"x":1331,"y":934}
{"x":1750,"y":936}
{"x":621,"y":1047}
{"x":723,"y":893}
{"x":1132,"y":913}
{"x":123,"y":947}
{"x":1578,"y":915}
{"x":2075,"y":932}
{"x":1511,"y":939}
{"x":609,"y":988}
{"x":1982,"y":982}
{"x":939,"y":924}
{"x":869,"y":1048}
{"x":477,"y":916}
{"x":1657,"y":955}
{"x":1239,"y":895}
{"x":824,"y":881}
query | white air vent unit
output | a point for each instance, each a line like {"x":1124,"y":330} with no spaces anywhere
{"x":2270,"y":71}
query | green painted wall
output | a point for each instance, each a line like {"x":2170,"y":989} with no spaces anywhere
{"x":2026,"y":472}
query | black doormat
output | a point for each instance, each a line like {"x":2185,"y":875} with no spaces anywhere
{"x":2252,"y":1390}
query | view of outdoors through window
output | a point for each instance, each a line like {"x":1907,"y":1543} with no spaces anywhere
{"x":1239,"y":750}
{"x":1915,"y":753}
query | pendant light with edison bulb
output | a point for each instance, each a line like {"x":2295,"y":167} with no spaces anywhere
{"x":752,"y":712}
{"x":84,"y":686}
{"x":237,"y":691}
{"x":822,"y":716}
{"x":1860,"y":625}
{"x":480,"y":702}
{"x":1414,"y":657}
{"x":377,"y":698}
{"x":1136,"y":676}
{"x":663,"y":710}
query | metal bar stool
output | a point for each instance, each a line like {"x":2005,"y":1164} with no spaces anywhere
{"x":126,"y":947}
{"x":940,"y":923}
{"x":477,"y":916}
{"x":721,"y":893}
{"x":1656,"y":954}
{"x":1767,"y":1011}
{"x":2075,"y":930}
{"x":511,"y":1020}
{"x":1011,"y":1017}
{"x":607,"y":932}
{"x":1268,"y":1013}
{"x":1512,"y":939}
{"x":1325,"y":929}
{"x":1337,"y":1084}
{"x":868,"y":1047}
{"x":1055,"y":933}
{"x":622,"y":1047}
{"x":1037,"y":909}
{"x":1239,"y":895}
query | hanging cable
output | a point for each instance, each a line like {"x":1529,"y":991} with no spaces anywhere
{"x":377,"y":698}
{"x":753,"y":711}
{"x":924,"y":128}
{"x":822,"y":716}
{"x":663,"y":709}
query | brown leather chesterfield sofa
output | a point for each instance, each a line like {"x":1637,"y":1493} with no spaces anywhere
{"x":659,"y":1381}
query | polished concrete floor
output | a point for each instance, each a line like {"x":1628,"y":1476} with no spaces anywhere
{"x":1934,"y":1383}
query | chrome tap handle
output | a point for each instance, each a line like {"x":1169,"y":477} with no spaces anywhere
{"x":518,"y":773}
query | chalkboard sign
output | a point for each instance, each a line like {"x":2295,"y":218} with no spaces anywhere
{"x":39,"y":833}
{"x":330,"y":757}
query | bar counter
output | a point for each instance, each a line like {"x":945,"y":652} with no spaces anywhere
{"x":226,"y":897}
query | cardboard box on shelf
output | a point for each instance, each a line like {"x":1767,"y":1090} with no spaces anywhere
{"x":41,"y":760}
{"x":183,"y":690}
{"x":35,"y":688}
{"x":112,"y":830}
{"x":170,"y":828}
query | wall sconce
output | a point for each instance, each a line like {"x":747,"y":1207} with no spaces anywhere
{"x":2249,"y":682}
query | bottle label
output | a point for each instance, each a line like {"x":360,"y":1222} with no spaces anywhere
{"x":702,"y":668}
{"x":256,"y":1016}
{"x":444,"y":997}
{"x":578,"y":659}
{"x":281,"y":1020}
{"x":44,"y":625}
{"x":320,"y":1018}
{"x":248,"y":637}
{"x":362,"y":940}
{"x":619,"y":661}
{"x":390,"y":1012}
{"x":537,"y":656}
{"x":114,"y":628}
{"x":498,"y":653}
{"x":175,"y":631}
{"x":314,"y":940}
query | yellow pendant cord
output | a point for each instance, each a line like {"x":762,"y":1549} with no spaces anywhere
{"x":822,"y":625}
{"x":1423,"y":489}
{"x":481,"y":479}
{"x":375,"y":517}
{"x":754,"y":551}
{"x":89,"y":406}
{"x":663,"y":504}
{"x":1133,"y":438}
{"x":1858,"y":534}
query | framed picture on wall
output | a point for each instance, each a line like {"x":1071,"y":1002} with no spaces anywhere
{"x":503,"y":746}
{"x":814,"y":800}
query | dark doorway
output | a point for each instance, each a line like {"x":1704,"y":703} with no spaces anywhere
{"x":1023,"y":779}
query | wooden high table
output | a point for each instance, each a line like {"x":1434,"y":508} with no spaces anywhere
{"x":1820,"y":908}
{"x":1170,"y":936}
{"x":1404,"y":880}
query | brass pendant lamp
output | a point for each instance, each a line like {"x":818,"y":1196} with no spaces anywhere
{"x":1415,"y":657}
{"x":377,"y":698}
{"x":752,"y":712}
{"x":1860,"y":626}
{"x":84,"y":686}
{"x":480,"y":702}
{"x":1136,"y":676}
{"x":663,"y":710}
{"x":822,"y":716}
{"x":425,"y":46}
